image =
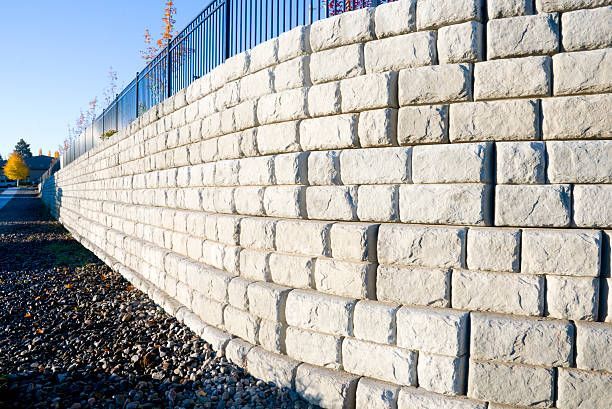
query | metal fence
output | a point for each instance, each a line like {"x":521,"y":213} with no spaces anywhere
{"x":223,"y":29}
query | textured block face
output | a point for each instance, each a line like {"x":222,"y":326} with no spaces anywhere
{"x":386,"y":363}
{"x":386,"y":165}
{"x":497,"y":120}
{"x":418,"y":398}
{"x":241,"y":324}
{"x":580,"y":28}
{"x":291,"y":168}
{"x":575,"y":298}
{"x":326,"y":388}
{"x":442,"y":374}
{"x":271,"y":367}
{"x":461,"y":163}
{"x":319,"y":312}
{"x":461,"y":43}
{"x":493,"y":249}
{"x":437,"y":331}
{"x":376,"y":394}
{"x":421,"y":246}
{"x":582,"y":389}
{"x":337,"y":64}
{"x":369,"y":92}
{"x":314,"y":348}
{"x":513,"y":78}
{"x":324,"y":99}
{"x":354,"y":241}
{"x":422,"y":124}
{"x":396,"y":53}
{"x":525,"y":35}
{"x":293,"y":43}
{"x":579,"y":161}
{"x":346,"y":28}
{"x":583,"y":72}
{"x":267,"y":300}
{"x":345,"y":278}
{"x":333,"y":132}
{"x":391,"y":19}
{"x":577,"y":253}
{"x":413,"y":286}
{"x":509,"y":8}
{"x":284,"y":201}
{"x":378,"y":203}
{"x":545,"y":206}
{"x":591,"y":208}
{"x":578,"y":117}
{"x":291,"y":270}
{"x":435,"y":84}
{"x":511,"y":384}
{"x":592,"y":343}
{"x":505,"y":293}
{"x":301,"y":237}
{"x":521,"y":163}
{"x":324,"y":168}
{"x":436,"y":13}
{"x":377,"y":128}
{"x":331,"y":202}
{"x":282,"y":106}
{"x":534,"y":341}
{"x":278,"y":138}
{"x":375,"y":322}
{"x":445,"y":204}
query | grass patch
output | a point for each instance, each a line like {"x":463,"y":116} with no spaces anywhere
{"x":69,"y":254}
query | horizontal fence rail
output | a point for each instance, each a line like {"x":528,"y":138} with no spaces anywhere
{"x":223,"y":29}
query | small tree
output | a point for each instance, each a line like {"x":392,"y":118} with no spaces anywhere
{"x":23,"y":149}
{"x":16,"y":168}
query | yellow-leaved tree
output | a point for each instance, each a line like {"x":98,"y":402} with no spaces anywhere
{"x":16,"y":168}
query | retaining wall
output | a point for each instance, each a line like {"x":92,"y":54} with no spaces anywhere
{"x":407,"y":206}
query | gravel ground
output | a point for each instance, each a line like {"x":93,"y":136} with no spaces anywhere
{"x":74,"y":334}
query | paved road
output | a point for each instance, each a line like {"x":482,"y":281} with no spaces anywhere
{"x":21,"y":205}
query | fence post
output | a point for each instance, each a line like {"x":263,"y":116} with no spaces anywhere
{"x":117,"y":113}
{"x":227,"y":30}
{"x":169,"y":69}
{"x":137,"y":110}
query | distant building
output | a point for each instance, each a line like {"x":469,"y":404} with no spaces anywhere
{"x":37,"y":164}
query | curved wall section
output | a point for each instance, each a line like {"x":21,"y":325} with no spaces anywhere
{"x":404,"y":206}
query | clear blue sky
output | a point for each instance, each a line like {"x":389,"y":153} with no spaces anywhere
{"x":56,"y":56}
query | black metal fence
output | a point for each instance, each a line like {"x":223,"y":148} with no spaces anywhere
{"x":223,"y":29}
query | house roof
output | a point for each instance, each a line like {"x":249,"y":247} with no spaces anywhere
{"x":41,"y":162}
